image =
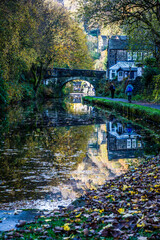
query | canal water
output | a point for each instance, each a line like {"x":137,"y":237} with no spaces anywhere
{"x":51,"y":153}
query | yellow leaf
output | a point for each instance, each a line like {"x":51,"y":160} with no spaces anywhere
{"x":95,"y":197}
{"x":124,"y":187}
{"x":78,"y":215}
{"x":121,"y":210}
{"x":102,"y":210}
{"x":66,"y":227}
{"x":149,"y":231}
{"x":109,"y":196}
{"x":77,"y":220}
{"x":141,"y":224}
{"x":132,"y":192}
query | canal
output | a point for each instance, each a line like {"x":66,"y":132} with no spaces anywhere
{"x":51,"y":153}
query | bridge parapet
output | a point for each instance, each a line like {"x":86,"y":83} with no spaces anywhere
{"x":66,"y":72}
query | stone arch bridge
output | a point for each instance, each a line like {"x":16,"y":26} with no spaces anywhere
{"x":60,"y":76}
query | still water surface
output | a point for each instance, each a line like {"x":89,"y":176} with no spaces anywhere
{"x":51,"y":153}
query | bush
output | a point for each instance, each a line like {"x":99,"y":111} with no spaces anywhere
{"x":95,"y":55}
{"x":150,"y":62}
{"x":147,"y":78}
{"x":3,"y":91}
{"x":27,"y":91}
{"x":156,"y":91}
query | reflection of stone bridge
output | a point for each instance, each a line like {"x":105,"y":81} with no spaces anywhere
{"x":60,"y":76}
{"x":57,"y":119}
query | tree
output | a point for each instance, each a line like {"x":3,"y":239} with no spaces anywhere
{"x":144,"y":14}
{"x":61,"y":43}
{"x":33,"y":37}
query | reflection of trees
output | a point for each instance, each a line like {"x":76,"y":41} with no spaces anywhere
{"x":34,"y":153}
{"x":3,"y":127}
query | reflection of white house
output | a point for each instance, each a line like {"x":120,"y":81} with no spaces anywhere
{"x":122,"y":137}
{"x":122,"y":70}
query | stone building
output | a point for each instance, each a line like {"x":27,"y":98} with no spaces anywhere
{"x":118,"y":51}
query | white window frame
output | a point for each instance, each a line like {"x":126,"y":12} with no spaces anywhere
{"x":129,"y":143}
{"x":139,"y":56}
{"x":121,"y":73}
{"x":129,"y":55}
{"x":134,"y":56}
{"x":126,"y":74}
{"x":134,"y":143}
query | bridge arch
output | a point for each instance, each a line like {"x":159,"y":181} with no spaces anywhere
{"x":86,"y":87}
{"x":77,"y":78}
{"x":60,"y":76}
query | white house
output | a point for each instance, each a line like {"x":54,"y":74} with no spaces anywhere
{"x":122,"y":70}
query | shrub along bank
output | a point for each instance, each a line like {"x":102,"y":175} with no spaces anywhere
{"x":127,"y":109}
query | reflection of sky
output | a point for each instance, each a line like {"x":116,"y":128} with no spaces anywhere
{"x":49,"y":175}
{"x":78,"y":108}
{"x":96,"y":168}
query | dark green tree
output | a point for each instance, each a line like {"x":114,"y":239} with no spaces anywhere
{"x":136,"y":14}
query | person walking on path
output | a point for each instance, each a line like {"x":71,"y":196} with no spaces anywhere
{"x":112,"y":89}
{"x":128,"y":91}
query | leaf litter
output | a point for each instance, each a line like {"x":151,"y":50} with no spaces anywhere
{"x":127,"y":207}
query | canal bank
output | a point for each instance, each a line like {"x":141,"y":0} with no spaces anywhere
{"x":146,"y":112}
{"x":124,"y":208}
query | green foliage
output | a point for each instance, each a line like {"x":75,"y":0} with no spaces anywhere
{"x":135,"y":110}
{"x":150,"y":62}
{"x":95,"y":55}
{"x":27,"y":91}
{"x":68,"y":88}
{"x":149,"y":73}
{"x":3,"y":91}
{"x":140,"y":19}
{"x":105,"y":62}
{"x":33,"y":37}
{"x":156,"y":91}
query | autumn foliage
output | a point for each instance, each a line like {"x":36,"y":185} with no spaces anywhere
{"x":33,"y":37}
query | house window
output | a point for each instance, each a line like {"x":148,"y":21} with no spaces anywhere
{"x":139,"y":56}
{"x":120,"y":74}
{"x":129,"y":56}
{"x":126,"y":74}
{"x":128,"y":143}
{"x":134,"y":56}
{"x":134,"y":143}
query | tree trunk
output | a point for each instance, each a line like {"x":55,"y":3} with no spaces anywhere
{"x":37,"y":75}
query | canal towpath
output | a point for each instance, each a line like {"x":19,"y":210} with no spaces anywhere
{"x":143,"y":103}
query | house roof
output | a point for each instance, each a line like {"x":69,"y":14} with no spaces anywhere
{"x":118,"y":43}
{"x":125,"y":66}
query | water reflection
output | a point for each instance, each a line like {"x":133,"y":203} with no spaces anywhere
{"x":53,"y":152}
{"x":74,"y":105}
{"x":123,"y":140}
